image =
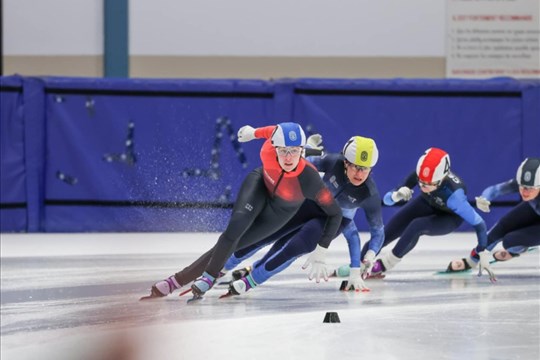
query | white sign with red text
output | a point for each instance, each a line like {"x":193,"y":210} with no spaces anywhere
{"x":492,"y":38}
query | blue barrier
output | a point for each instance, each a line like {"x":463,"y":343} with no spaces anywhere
{"x":161,"y":155}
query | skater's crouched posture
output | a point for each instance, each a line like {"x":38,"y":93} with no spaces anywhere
{"x":439,"y":210}
{"x":347,"y":175}
{"x":267,"y":200}
{"x":520,"y":228}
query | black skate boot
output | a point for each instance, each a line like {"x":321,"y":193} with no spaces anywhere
{"x":240,"y":286}
{"x":240,"y":273}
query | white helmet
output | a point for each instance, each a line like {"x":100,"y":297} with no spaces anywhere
{"x":288,"y":134}
{"x":361,"y":151}
{"x":528,"y":173}
{"x":433,"y":166}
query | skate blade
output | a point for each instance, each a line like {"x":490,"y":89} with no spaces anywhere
{"x":226,"y":295}
{"x":460,"y":272}
{"x":195,"y":298}
{"x":357,"y":290}
{"x":343,"y":288}
{"x":184,"y":292}
{"x":378,"y":276}
{"x":149,"y":297}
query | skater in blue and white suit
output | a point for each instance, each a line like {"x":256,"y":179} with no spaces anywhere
{"x":519,"y":229}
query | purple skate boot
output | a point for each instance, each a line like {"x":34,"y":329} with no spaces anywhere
{"x":162,"y":288}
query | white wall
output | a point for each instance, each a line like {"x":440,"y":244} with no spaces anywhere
{"x":288,"y":27}
{"x":53,"y":27}
{"x":232,"y":27}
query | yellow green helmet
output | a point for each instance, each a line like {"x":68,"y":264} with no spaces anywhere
{"x":361,"y":151}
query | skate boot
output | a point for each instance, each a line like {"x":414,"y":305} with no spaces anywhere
{"x":163,"y":288}
{"x":240,"y":286}
{"x":459,"y":266}
{"x":503,"y":255}
{"x":224,"y":278}
{"x":465,"y":264}
{"x":384,"y":264}
{"x":240,"y":273}
{"x":202,"y":285}
{"x":377,"y":270}
{"x":342,"y":271}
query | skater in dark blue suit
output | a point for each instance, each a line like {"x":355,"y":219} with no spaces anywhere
{"x":519,"y":229}
{"x":441,"y":209}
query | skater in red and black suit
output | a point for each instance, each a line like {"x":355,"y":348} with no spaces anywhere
{"x":267,"y":200}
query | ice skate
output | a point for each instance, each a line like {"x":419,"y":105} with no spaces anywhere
{"x":457,"y":266}
{"x":345,"y":284}
{"x":382,"y":265}
{"x":376,"y":276}
{"x":201,"y":286}
{"x":377,"y":270}
{"x":342,"y":271}
{"x":224,"y":278}
{"x":229,"y":277}
{"x":162,"y":288}
{"x":240,"y":286}
{"x":240,"y":273}
{"x":503,"y":255}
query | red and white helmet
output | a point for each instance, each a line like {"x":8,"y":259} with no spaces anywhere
{"x":433,"y":166}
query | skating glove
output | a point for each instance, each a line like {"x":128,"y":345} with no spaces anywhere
{"x":314,"y":141}
{"x":403,"y":193}
{"x":483,"y":204}
{"x":317,"y":260}
{"x":246,"y":133}
{"x":355,"y":281}
{"x":485,"y":256}
{"x":367,"y":264}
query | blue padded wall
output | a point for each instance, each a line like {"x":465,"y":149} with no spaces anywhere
{"x":161,"y":155}
{"x":481,"y":124}
{"x":12,"y":168}
{"x":158,"y":157}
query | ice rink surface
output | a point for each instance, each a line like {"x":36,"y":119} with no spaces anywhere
{"x":75,"y":296}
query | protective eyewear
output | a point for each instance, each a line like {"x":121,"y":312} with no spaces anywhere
{"x":529,"y":188}
{"x":358,"y":168}
{"x":289,"y":150}
{"x":425,"y":184}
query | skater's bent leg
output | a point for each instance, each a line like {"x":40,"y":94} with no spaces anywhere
{"x":242,"y":254}
{"x":520,"y":240}
{"x":278,"y":245}
{"x":304,"y":241}
{"x":246,"y":252}
{"x":309,"y":210}
{"x":430,"y":225}
{"x":193,"y":271}
{"x":415,"y":208}
{"x":252,"y":200}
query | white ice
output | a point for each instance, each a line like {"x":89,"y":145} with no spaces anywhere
{"x":75,"y":296}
